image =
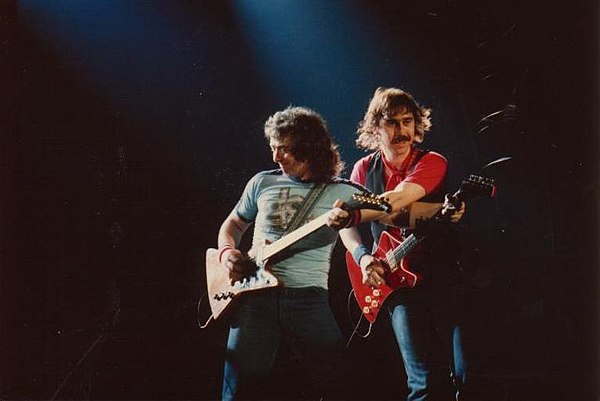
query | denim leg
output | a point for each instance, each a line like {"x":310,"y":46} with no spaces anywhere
{"x":254,"y":338}
{"x":448,"y":322}
{"x":410,"y":327}
{"x":458,"y":363}
{"x":314,"y":335}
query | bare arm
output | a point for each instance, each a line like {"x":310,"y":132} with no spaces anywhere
{"x":351,"y":239}
{"x":402,"y":196}
{"x":406,"y":209}
{"x":231,"y":230}
{"x":371,"y":268}
{"x":408,"y":216}
{"x":230,"y":235}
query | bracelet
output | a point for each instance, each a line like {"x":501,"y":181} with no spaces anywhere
{"x":222,"y":250}
{"x":359,"y":252}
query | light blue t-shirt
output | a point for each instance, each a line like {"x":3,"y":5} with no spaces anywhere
{"x":270,"y":200}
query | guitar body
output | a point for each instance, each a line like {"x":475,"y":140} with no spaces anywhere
{"x":220,"y":290}
{"x":393,"y":252}
{"x":370,"y":299}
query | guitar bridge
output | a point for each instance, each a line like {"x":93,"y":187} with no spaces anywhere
{"x":222,"y":296}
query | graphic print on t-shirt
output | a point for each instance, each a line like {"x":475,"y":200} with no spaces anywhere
{"x":284,"y":209}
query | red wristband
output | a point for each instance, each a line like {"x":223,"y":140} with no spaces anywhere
{"x":354,"y":220}
{"x":223,"y":249}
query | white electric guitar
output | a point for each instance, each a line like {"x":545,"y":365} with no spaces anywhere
{"x":221,"y":290}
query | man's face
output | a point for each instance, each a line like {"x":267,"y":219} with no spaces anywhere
{"x":282,"y":155}
{"x":397,"y":132}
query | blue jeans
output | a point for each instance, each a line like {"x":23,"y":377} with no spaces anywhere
{"x":262,"y":321}
{"x":419,"y":318}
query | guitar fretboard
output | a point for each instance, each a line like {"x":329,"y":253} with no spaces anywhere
{"x":395,"y":256}
{"x":294,"y":236}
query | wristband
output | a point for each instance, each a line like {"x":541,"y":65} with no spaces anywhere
{"x":354,"y":219}
{"x":359,"y":252}
{"x":222,"y":250}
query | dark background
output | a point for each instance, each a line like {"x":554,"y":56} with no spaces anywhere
{"x":128,"y":130}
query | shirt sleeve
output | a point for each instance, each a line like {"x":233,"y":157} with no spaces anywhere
{"x":247,"y":206}
{"x":359,"y":171}
{"x":429,"y":172}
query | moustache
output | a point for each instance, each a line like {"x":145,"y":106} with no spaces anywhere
{"x":400,"y":138}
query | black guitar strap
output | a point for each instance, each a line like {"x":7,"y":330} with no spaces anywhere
{"x":311,"y":198}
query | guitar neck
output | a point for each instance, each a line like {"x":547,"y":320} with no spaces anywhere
{"x":295,"y":236}
{"x":470,"y":187}
{"x":395,"y":256}
{"x":419,"y":234}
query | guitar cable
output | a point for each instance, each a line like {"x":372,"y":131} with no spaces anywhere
{"x":210,"y":318}
{"x":356,"y":326}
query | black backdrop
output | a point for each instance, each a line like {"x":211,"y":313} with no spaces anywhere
{"x":115,"y":180}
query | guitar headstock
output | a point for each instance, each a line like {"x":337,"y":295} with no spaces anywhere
{"x":368,"y":200}
{"x":476,"y":185}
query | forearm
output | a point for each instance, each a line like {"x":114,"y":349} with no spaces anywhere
{"x":231,"y":231}
{"x":418,"y":211}
{"x":230,"y":235}
{"x":353,"y":242}
{"x":400,"y":198}
{"x":351,"y":238}
{"x":408,"y":216}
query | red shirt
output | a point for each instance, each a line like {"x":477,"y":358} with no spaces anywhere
{"x":429,"y":173}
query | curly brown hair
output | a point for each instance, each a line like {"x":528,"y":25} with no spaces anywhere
{"x":385,"y":102}
{"x":309,"y":138}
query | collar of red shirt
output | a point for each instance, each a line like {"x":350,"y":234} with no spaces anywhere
{"x":390,"y":168}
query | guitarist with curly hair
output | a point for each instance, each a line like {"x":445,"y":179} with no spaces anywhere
{"x":409,"y":177}
{"x":292,"y":309}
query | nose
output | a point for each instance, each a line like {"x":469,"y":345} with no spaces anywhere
{"x":398,"y":128}
{"x":276,"y":155}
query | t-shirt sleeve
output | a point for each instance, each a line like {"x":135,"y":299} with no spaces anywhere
{"x":359,"y":171}
{"x":247,"y":206}
{"x":429,"y":172}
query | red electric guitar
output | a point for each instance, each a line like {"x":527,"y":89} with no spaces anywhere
{"x":221,"y":291}
{"x":393,"y":252}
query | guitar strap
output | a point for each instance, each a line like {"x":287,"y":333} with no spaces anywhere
{"x":311,"y":198}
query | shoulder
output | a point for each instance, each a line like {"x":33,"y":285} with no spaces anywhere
{"x":363,"y":162}
{"x":343,"y":182}
{"x":265,"y":175}
{"x":269,"y":173}
{"x":359,"y":171}
{"x":262,"y":179}
{"x":433,"y":156}
{"x":344,"y":189}
{"x":430,"y":157}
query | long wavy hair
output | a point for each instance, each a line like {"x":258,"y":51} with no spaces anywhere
{"x":309,"y":139}
{"x":387,"y":102}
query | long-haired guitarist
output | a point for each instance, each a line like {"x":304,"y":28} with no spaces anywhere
{"x":393,"y":124}
{"x":296,"y":313}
